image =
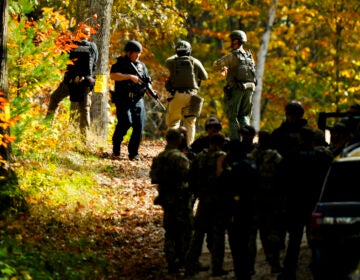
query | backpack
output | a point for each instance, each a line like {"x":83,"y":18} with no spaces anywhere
{"x":79,"y":74}
{"x":82,"y":59}
{"x":170,"y":178}
{"x":183,"y":74}
{"x":245,"y":69}
{"x":202,"y":178}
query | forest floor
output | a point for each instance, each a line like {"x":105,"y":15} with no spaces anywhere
{"x":153,"y":256}
{"x":122,"y":240}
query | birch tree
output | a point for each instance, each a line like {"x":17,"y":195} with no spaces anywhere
{"x":261,"y":59}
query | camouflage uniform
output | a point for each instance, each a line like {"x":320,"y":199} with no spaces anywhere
{"x":240,"y":181}
{"x":209,"y":217}
{"x":238,"y":98}
{"x":169,"y":170}
{"x":270,"y":203}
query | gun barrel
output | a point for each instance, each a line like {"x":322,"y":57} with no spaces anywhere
{"x":149,"y":89}
{"x":156,"y":98}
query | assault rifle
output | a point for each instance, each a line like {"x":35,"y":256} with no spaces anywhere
{"x":149,"y":90}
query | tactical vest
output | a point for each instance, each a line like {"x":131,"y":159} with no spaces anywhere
{"x":182,"y":74}
{"x":244,"y":70}
{"x":206,"y":178}
{"x":267,"y":162}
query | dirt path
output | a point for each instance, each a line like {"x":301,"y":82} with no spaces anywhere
{"x":262,"y":268}
{"x":152,"y":264}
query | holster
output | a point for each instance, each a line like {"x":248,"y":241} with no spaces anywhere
{"x":196,"y":103}
{"x":227,"y":91}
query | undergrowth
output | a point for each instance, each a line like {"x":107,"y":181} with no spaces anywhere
{"x":56,"y":174}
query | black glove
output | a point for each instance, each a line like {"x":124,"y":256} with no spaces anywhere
{"x":227,"y":90}
{"x":90,"y":81}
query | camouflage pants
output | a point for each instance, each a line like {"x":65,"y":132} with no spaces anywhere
{"x":209,"y":221}
{"x":238,"y":109}
{"x":178,"y":228}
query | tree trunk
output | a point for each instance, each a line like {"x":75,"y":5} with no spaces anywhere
{"x":100,"y":103}
{"x":260,"y":65}
{"x":4,"y":151}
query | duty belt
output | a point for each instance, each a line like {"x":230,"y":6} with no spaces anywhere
{"x":184,"y":91}
{"x":133,"y":95}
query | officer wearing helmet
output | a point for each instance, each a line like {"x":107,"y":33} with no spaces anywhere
{"x":294,"y":110}
{"x":128,"y":98}
{"x":286,"y":137}
{"x":238,"y":67}
{"x":183,"y":83}
{"x":183,"y":48}
{"x":212,"y":126}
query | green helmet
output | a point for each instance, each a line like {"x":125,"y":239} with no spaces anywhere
{"x":133,"y":46}
{"x":239,"y":35}
{"x":183,"y":48}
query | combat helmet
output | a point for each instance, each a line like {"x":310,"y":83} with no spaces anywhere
{"x":294,"y":108}
{"x":133,"y":46}
{"x":213,"y":122}
{"x":239,"y":35}
{"x":183,"y":48}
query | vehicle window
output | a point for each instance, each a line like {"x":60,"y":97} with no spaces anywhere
{"x":342,"y":182}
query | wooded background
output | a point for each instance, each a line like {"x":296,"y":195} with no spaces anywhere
{"x":305,"y":50}
{"x":68,"y":213}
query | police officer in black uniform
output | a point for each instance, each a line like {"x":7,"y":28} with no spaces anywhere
{"x":128,"y":98}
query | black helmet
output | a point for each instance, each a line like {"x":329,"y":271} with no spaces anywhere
{"x":294,"y":108}
{"x":183,"y":48}
{"x":133,"y":46}
{"x":247,"y":130}
{"x":173,"y":134}
{"x":213,"y":122}
{"x":239,"y":35}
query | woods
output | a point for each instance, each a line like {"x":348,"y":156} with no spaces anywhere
{"x":304,"y":50}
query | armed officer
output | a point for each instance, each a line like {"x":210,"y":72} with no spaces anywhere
{"x":186,"y":73}
{"x":239,"y":69}
{"x":128,"y":98}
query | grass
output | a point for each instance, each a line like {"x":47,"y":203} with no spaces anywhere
{"x":57,"y":236}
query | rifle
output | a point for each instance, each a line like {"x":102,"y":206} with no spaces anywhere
{"x":149,"y":90}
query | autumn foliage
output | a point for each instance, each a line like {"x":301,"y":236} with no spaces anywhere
{"x":87,"y":210}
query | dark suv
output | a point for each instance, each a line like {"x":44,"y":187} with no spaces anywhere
{"x":335,"y":227}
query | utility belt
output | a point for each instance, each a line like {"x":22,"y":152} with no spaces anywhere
{"x":240,"y":85}
{"x":117,"y":96}
{"x":185,"y":91}
{"x":135,"y":95}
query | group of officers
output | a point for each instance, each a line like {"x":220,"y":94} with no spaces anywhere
{"x":129,"y":75}
{"x":218,"y":186}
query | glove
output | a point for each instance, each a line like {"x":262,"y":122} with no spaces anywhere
{"x":90,"y":80}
